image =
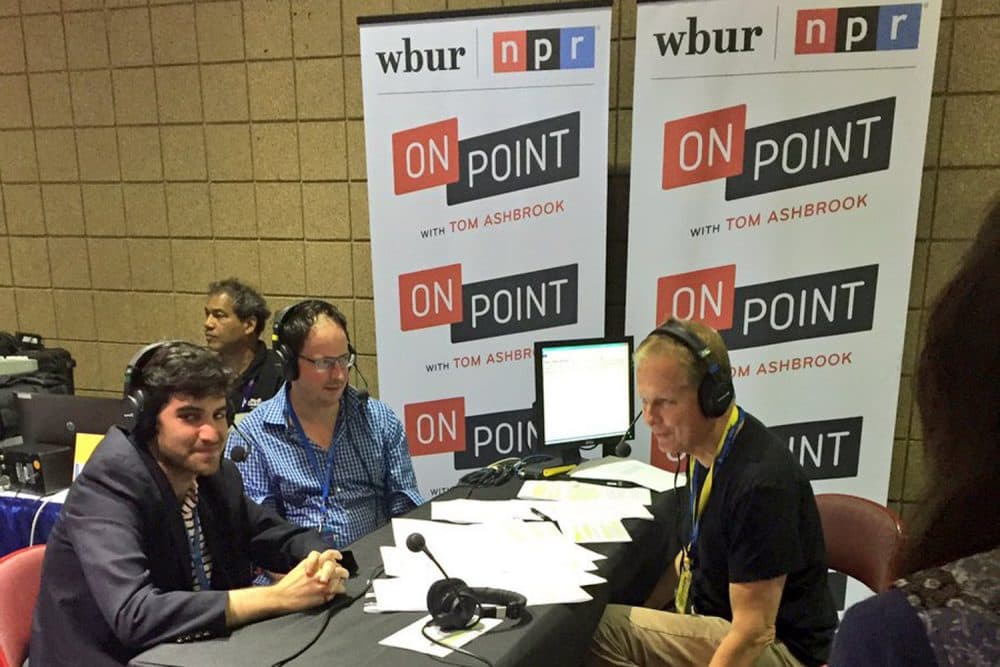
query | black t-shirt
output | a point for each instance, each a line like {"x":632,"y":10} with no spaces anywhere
{"x":761,"y":522}
{"x":259,"y":382}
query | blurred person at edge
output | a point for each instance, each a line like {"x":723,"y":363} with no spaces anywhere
{"x":946,"y":608}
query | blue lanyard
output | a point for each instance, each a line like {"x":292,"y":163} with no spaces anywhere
{"x":313,"y":461}
{"x":197,"y":560}
{"x":696,"y":483}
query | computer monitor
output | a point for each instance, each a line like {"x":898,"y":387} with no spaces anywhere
{"x":55,"y":419}
{"x":584,"y":395}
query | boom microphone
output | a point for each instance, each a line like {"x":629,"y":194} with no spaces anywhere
{"x":415,"y":542}
{"x":363,"y":394}
{"x":239,"y":453}
{"x":622,"y":448}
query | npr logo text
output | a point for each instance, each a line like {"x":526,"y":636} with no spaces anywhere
{"x":553,"y":49}
{"x":516,"y":158}
{"x":485,"y":309}
{"x":811,"y":306}
{"x":790,"y":153}
{"x":857,"y":29}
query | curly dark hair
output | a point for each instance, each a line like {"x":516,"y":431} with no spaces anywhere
{"x":178,"y":369}
{"x":247,"y":302}
{"x":958,"y":399}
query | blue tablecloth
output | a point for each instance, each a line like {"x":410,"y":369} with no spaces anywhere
{"x":16,"y":515}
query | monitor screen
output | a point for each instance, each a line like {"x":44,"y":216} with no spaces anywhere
{"x":584,"y":392}
{"x":55,"y":419}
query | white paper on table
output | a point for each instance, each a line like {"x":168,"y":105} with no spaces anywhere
{"x":594,"y":530}
{"x":573,"y":562}
{"x":400,"y":594}
{"x":512,"y":555}
{"x":626,"y":470}
{"x":403,"y":594}
{"x":448,"y":542}
{"x":401,"y":562}
{"x":411,"y":639}
{"x":569,"y":490}
{"x":543,"y":542}
{"x":570,"y":509}
{"x":480,"y":511}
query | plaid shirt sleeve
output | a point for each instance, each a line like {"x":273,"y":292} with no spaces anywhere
{"x":258,"y":481}
{"x":402,"y":494}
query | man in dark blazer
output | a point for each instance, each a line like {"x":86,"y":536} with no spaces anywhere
{"x":157,"y":541}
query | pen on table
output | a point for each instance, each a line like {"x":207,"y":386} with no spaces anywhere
{"x":617,"y":482}
{"x":541,"y":515}
{"x":622,"y":484}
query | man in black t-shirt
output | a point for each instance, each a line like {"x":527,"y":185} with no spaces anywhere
{"x":750,"y":584}
{"x":235,"y":314}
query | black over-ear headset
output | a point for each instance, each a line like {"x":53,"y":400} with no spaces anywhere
{"x":289,"y":358}
{"x":136,"y":398}
{"x":455,"y":606}
{"x":715,"y":391}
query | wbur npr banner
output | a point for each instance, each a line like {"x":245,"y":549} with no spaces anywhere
{"x":486,"y":144}
{"x":776,"y":168}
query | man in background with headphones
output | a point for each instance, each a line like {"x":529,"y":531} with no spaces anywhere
{"x":235,"y":314}
{"x":750,"y":580}
{"x":324,"y":454}
{"x":157,"y":539}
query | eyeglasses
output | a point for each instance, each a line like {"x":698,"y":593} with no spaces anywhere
{"x":323,"y":364}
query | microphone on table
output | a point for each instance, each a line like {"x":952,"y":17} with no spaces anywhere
{"x":416,"y":543}
{"x":622,"y":448}
{"x":455,"y":606}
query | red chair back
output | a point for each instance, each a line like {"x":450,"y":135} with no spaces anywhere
{"x":863,"y":539}
{"x":20,"y":578}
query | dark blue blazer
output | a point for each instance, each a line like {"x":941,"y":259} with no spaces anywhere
{"x":117,"y":573}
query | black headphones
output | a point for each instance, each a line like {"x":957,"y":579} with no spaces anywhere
{"x":455,"y":606}
{"x":136,"y":398}
{"x":288,"y":357}
{"x":715,"y":391}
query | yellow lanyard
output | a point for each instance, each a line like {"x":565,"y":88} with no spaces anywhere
{"x":684,"y":583}
{"x":706,"y":487}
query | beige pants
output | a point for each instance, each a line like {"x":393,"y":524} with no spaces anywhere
{"x":630,"y":636}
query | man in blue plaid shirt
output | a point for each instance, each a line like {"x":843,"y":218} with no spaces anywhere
{"x":321,"y":452}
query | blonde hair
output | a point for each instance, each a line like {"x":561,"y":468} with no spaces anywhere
{"x":657,"y":343}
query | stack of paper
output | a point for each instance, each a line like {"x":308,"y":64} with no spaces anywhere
{"x":627,"y":470}
{"x":533,"y":559}
{"x":583,"y":521}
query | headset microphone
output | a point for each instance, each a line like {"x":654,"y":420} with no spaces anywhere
{"x":239,"y":453}
{"x":363,"y":394}
{"x":622,"y":448}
